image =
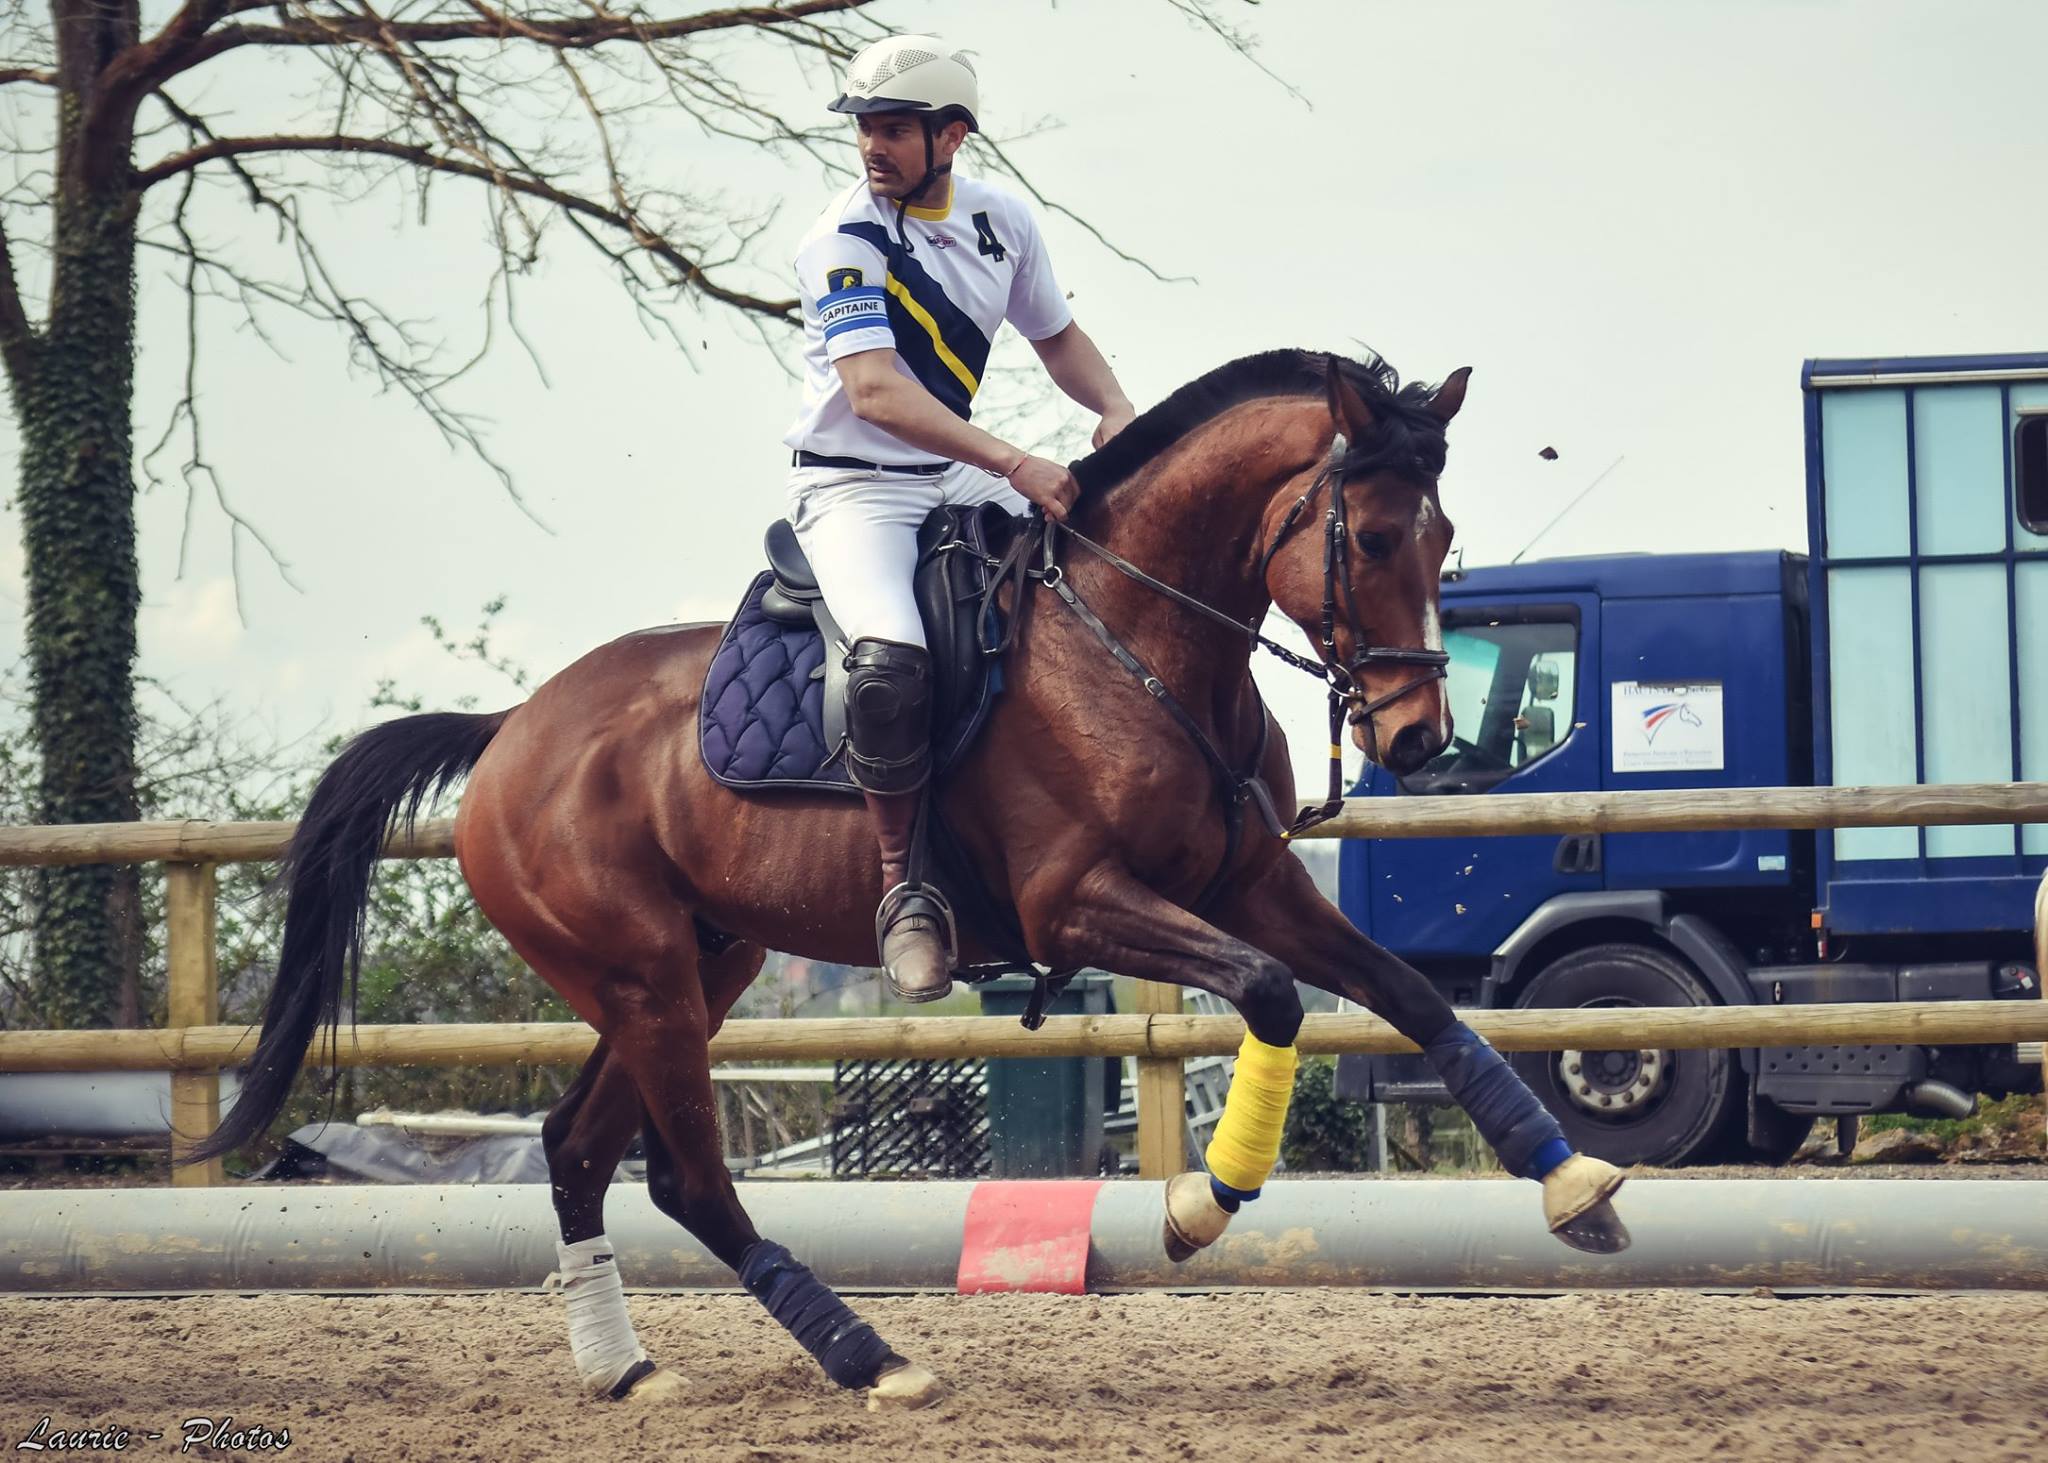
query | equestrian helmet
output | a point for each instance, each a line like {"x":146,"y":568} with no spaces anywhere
{"x":911,"y":74}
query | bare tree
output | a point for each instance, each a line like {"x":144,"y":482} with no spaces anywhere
{"x":532,"y":113}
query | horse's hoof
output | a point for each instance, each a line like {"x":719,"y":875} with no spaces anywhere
{"x":659,"y":1385}
{"x":904,"y":1389}
{"x":1599,"y":1231}
{"x":1575,"y":1204}
{"x":1194,"y":1220}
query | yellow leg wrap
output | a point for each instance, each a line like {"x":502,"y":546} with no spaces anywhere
{"x":1247,"y":1141}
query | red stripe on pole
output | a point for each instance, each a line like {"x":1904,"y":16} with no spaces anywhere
{"x":1027,"y":1236}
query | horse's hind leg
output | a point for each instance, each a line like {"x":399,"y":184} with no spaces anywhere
{"x":585,"y":1135}
{"x":659,"y":1027}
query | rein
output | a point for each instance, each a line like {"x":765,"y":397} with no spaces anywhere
{"x":1342,"y":679}
{"x":998,"y":633}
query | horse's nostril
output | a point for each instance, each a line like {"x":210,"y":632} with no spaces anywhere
{"x":1412,"y":746}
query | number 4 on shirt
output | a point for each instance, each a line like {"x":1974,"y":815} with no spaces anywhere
{"x":985,"y":238}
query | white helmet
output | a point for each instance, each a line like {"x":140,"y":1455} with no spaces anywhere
{"x":911,"y":74}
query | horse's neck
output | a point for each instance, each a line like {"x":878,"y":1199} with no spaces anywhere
{"x":1199,"y":516}
{"x":1197,"y":519}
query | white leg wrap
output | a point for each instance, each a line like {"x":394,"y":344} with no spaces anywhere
{"x":600,"y":1336}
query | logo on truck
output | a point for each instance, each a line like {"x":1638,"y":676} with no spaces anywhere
{"x":1655,"y":717}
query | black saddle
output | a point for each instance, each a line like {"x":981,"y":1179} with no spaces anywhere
{"x":774,"y":705}
{"x":793,"y":592}
{"x":773,"y":711}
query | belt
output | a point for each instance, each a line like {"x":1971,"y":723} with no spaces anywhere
{"x":819,"y":459}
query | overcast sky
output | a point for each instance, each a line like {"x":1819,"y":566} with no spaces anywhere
{"x":1634,"y":221}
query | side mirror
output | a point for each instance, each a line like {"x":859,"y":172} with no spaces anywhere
{"x":2030,"y":469}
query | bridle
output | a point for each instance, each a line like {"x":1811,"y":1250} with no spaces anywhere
{"x":1342,"y":678}
{"x":1041,"y":541}
{"x":1345,"y":680}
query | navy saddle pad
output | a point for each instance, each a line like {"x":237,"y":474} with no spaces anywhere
{"x":761,"y":721}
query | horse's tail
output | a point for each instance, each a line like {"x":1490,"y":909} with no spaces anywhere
{"x":380,"y":779}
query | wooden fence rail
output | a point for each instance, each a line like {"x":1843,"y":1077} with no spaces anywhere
{"x":1157,"y":1035}
{"x":193,"y":1048}
{"x":1506,"y":814}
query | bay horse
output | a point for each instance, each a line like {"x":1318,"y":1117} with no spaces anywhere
{"x":647,"y":893}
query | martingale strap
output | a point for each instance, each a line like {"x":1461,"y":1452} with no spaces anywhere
{"x":1237,"y":788}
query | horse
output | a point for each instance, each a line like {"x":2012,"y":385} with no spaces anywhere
{"x":593,"y":838}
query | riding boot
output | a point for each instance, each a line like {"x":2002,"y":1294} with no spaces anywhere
{"x":912,"y":926}
{"x":888,"y":703}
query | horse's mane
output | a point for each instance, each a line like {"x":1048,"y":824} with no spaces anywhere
{"x":1407,"y":436}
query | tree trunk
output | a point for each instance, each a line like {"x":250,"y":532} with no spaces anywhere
{"x":78,"y":529}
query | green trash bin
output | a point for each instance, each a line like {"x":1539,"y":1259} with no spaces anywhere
{"x":1045,"y":1114}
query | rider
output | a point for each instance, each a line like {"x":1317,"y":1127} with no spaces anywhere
{"x":905,"y":278}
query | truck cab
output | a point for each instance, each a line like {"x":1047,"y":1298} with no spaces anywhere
{"x":1908,"y":648}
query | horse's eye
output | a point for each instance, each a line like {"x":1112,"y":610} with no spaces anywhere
{"x":1374,"y":546}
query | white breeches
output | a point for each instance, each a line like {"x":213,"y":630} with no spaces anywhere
{"x":859,"y":530}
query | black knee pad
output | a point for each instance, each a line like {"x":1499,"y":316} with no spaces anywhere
{"x":888,"y":715}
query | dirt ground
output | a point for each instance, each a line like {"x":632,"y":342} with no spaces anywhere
{"x":1653,"y":1375}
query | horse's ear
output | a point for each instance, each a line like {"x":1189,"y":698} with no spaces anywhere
{"x":1347,"y":407}
{"x":1451,"y":395}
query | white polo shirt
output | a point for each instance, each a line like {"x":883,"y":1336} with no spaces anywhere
{"x":967,"y":267}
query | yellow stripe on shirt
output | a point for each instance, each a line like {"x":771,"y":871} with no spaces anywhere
{"x":931,"y":327}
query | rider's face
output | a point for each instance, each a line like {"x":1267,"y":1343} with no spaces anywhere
{"x":892,"y":149}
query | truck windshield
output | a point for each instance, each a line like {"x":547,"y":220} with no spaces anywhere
{"x":1511,"y":687}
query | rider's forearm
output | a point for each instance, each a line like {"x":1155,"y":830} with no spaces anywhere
{"x":1077,"y":367}
{"x":905,"y":410}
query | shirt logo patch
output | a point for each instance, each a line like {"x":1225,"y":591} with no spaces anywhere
{"x":841,"y":279}
{"x":942,"y":241}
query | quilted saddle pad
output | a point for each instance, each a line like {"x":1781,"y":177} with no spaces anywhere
{"x":762,"y":719}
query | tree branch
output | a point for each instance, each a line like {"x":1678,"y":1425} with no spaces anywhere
{"x":10,"y":74}
{"x":19,"y":343}
{"x":578,"y":33}
{"x":690,"y":271}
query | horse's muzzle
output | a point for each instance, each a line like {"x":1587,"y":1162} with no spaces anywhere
{"x":1412,"y":747}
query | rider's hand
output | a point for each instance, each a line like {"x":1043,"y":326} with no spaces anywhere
{"x":1047,"y":484}
{"x":1113,"y":421}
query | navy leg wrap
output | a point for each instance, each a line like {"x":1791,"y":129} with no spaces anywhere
{"x":1231,"y":1198}
{"x":1503,"y":1109}
{"x":823,"y":1324}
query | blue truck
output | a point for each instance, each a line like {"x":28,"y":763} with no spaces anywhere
{"x":1910,"y":646}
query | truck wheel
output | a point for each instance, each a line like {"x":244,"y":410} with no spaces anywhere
{"x":1654,"y":1107}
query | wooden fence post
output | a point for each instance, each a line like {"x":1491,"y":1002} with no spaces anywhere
{"x":194,"y":1001}
{"x":1162,"y":1093}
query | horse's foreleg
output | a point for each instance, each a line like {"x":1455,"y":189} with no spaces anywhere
{"x":1113,"y":921}
{"x":659,"y":1026}
{"x":1284,"y":914}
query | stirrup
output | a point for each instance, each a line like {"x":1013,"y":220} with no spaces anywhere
{"x":906,"y":901}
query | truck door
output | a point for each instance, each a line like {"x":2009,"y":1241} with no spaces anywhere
{"x":1527,"y":711}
